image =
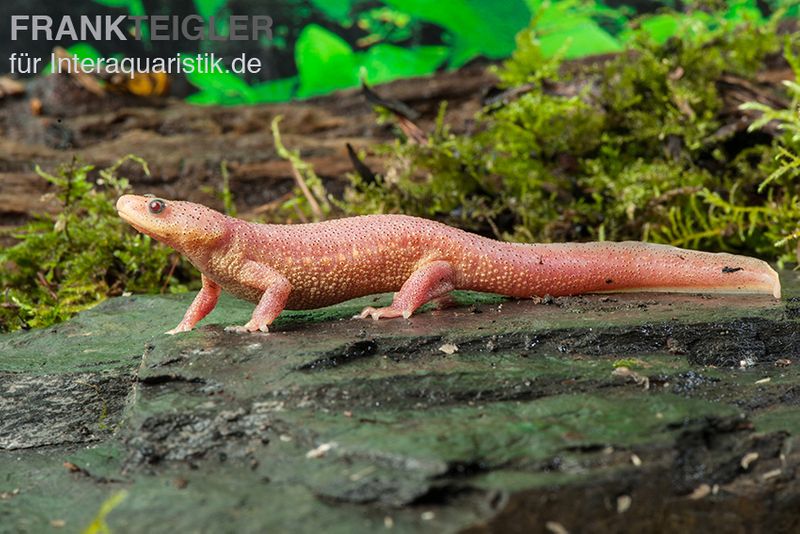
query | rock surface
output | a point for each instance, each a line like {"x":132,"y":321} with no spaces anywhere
{"x":592,"y":414}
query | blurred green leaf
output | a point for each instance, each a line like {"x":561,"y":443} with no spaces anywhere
{"x":744,"y":11}
{"x":338,"y":10}
{"x":385,"y":62}
{"x":325,"y":62}
{"x":568,"y":27}
{"x":208,"y":8}
{"x":660,"y":27}
{"x":477,"y":27}
{"x":218,"y":87}
{"x":205,"y":98}
{"x":275,"y":90}
{"x":579,"y":37}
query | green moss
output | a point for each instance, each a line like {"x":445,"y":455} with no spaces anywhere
{"x":68,"y":262}
{"x":633,"y":147}
{"x":630,"y":363}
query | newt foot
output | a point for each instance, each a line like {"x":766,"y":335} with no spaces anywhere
{"x":178,"y":329}
{"x":245,"y":329}
{"x":382,"y":313}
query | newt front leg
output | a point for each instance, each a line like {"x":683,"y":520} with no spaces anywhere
{"x":276,"y":290}
{"x":201,"y":306}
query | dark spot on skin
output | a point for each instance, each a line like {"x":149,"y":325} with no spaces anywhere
{"x":727,"y":269}
{"x":609,"y":281}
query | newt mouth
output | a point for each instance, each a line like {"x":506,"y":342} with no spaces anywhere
{"x":124,"y":206}
{"x":126,"y":209}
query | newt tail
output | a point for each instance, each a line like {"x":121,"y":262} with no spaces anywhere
{"x":313,"y":265}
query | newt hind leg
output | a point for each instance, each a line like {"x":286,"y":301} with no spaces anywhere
{"x":434,"y":280}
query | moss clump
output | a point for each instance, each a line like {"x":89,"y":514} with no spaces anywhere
{"x":635,"y":147}
{"x":630,"y":363}
{"x":68,"y":262}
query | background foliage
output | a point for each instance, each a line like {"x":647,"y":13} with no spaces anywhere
{"x":636,"y":147}
{"x":633,"y":147}
{"x":66,"y":263}
{"x":341,"y":42}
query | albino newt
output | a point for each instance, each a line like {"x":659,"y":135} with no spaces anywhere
{"x":302,"y":266}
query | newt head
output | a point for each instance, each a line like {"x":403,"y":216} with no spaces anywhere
{"x":185,"y":226}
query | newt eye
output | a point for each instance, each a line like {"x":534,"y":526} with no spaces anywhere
{"x":156,"y":206}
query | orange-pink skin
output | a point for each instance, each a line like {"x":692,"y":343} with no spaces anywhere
{"x":313,"y":265}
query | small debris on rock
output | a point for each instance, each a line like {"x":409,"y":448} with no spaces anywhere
{"x":700,"y":492}
{"x":427,"y":516}
{"x":623,"y":503}
{"x":5,"y":495}
{"x":763,"y":380}
{"x":388,"y":522}
{"x":180,"y":482}
{"x":675,"y":346}
{"x":625,"y":372}
{"x":555,"y":528}
{"x":268,"y":406}
{"x":635,"y":460}
{"x":58,"y":523}
{"x":771,"y":474}
{"x":321,"y":451}
{"x":448,"y":348}
{"x":72,"y":468}
{"x":748,"y":459}
{"x":355,"y":477}
{"x":783,"y":362}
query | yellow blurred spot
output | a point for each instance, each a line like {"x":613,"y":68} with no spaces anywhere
{"x":98,"y":524}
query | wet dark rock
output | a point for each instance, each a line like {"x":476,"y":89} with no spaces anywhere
{"x":690,"y":381}
{"x":352,"y":351}
{"x":197,"y":435}
{"x":40,"y":410}
{"x":328,"y":423}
